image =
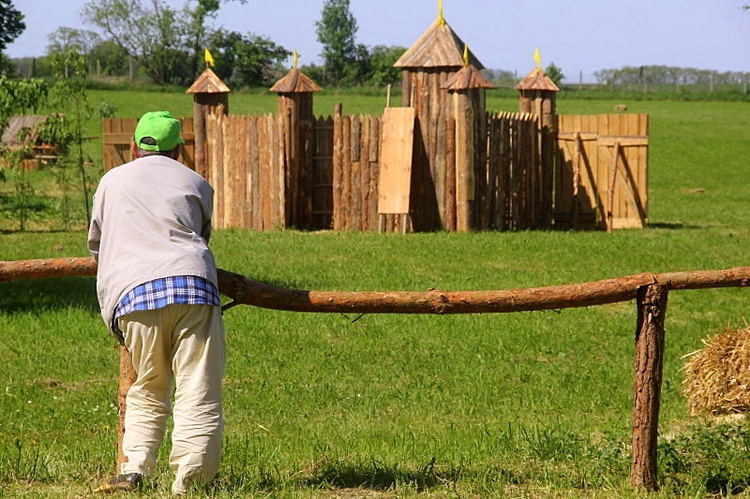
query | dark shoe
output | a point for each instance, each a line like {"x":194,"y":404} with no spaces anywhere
{"x":129,"y":482}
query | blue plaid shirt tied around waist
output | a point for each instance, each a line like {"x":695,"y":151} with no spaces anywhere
{"x":152,"y":295}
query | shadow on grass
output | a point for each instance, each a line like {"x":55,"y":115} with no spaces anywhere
{"x":377,"y":476}
{"x":46,"y":294}
{"x":672,"y":226}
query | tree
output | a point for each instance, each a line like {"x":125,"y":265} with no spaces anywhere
{"x":152,"y":36}
{"x":197,"y":32}
{"x":110,"y":59}
{"x":167,"y":43}
{"x":554,"y":73}
{"x":11,"y":23}
{"x":250,"y":60}
{"x":336,"y":32}
{"x":382,"y":59}
{"x":65,"y":130}
{"x":66,"y":39}
{"x":11,"y":26}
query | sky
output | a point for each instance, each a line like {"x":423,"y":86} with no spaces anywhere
{"x":579,"y":36}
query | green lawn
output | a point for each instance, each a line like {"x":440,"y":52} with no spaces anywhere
{"x":325,"y":405}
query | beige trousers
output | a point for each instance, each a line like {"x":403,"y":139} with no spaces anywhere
{"x":185,"y":343}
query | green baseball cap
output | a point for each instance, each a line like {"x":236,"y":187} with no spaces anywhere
{"x":158,"y":131}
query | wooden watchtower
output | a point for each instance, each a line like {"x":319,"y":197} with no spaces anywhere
{"x":537,"y":95}
{"x":210,"y":96}
{"x":467,"y":88}
{"x":426,"y":68}
{"x":295,"y":107}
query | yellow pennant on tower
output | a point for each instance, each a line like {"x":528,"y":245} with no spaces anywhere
{"x":537,"y":58}
{"x":209,"y":58}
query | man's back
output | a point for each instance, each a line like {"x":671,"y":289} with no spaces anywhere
{"x":151,"y":219}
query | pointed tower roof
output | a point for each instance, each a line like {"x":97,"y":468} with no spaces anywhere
{"x":208,"y":83}
{"x":439,"y":46}
{"x":537,"y":80}
{"x":468,"y":77}
{"x":295,"y":82}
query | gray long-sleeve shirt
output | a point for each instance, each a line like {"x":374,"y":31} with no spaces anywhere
{"x":151,"y":218}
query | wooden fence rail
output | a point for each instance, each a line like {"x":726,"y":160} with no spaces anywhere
{"x":649,"y":290}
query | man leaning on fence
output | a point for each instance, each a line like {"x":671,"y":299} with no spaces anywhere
{"x":157,"y":289}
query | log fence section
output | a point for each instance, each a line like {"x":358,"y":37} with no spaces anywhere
{"x":649,"y":290}
{"x":331,"y":179}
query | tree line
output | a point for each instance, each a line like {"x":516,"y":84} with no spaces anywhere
{"x":149,"y":40}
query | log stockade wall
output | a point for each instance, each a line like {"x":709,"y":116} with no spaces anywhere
{"x":649,"y":290}
{"x":355,"y":173}
{"x":246,"y":166}
{"x":335,"y":185}
{"x":509,"y":191}
{"x":489,"y":174}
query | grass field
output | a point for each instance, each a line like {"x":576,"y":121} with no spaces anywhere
{"x":323,"y":405}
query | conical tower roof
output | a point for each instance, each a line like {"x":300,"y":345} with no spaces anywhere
{"x":438,"y":47}
{"x":467,"y":78}
{"x":208,"y":83}
{"x":537,"y":80}
{"x":295,"y":82}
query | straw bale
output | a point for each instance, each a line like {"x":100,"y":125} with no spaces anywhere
{"x":717,"y":377}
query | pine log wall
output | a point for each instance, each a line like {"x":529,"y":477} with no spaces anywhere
{"x":330,"y":179}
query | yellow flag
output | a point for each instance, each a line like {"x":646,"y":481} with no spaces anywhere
{"x":209,"y":58}
{"x":537,"y":58}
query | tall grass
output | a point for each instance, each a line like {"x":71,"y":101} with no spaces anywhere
{"x":486,"y":405}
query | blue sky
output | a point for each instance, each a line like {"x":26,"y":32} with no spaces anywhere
{"x":579,"y":36}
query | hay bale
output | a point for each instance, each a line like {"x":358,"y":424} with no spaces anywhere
{"x":717,"y":377}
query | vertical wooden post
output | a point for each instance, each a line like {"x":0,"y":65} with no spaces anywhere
{"x":464,"y":164}
{"x":450,"y":175}
{"x":127,"y":378}
{"x":338,"y":167}
{"x":649,"y":363}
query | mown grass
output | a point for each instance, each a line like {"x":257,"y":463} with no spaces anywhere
{"x":325,"y":405}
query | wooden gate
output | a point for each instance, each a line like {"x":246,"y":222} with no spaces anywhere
{"x":117,"y":137}
{"x":601,"y":179}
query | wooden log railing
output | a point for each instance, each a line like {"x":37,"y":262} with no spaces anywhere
{"x":649,"y":290}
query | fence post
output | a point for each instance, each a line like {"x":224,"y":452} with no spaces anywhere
{"x":127,"y":378}
{"x":649,"y":363}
